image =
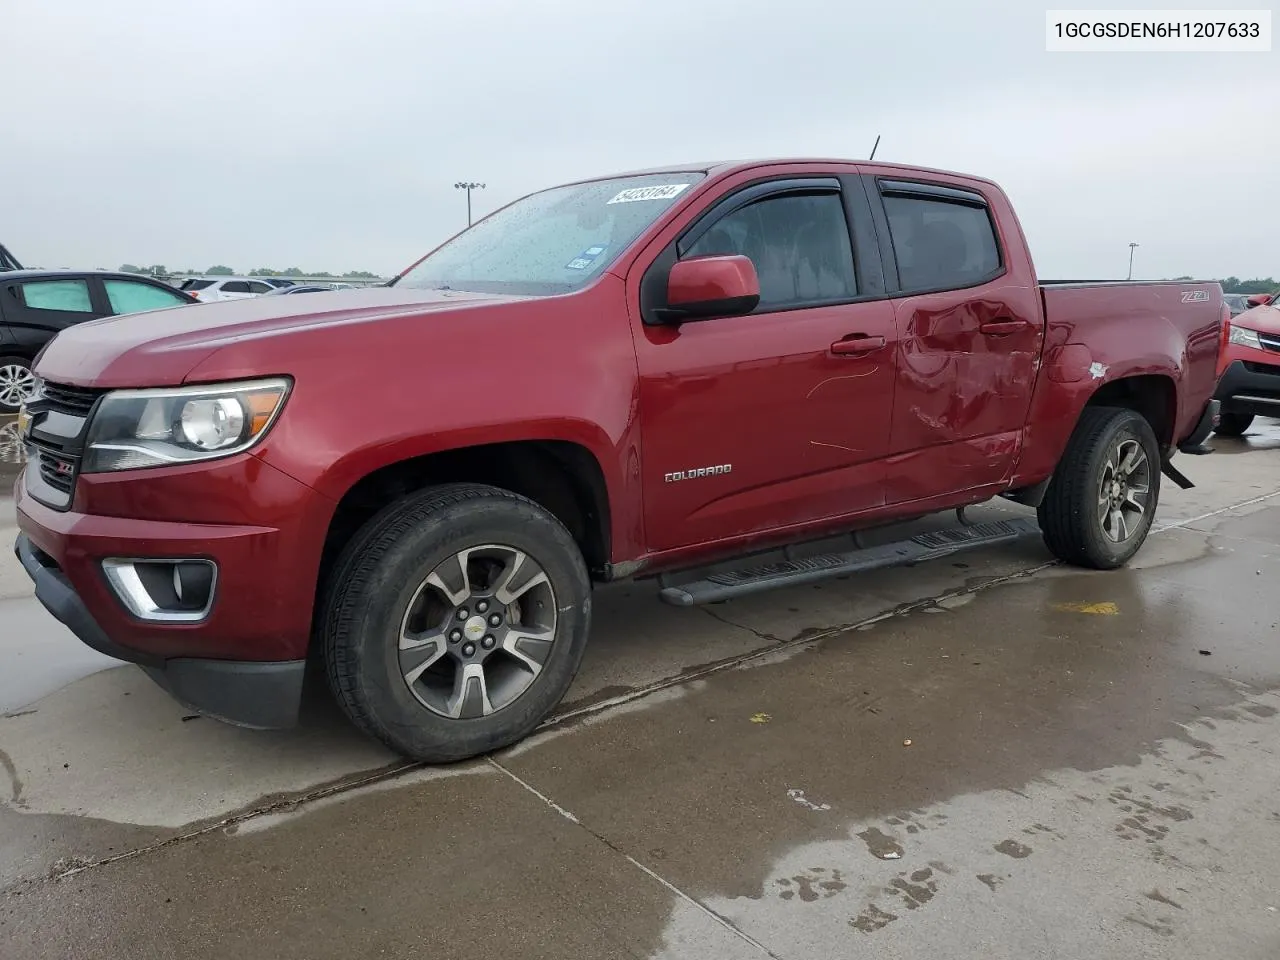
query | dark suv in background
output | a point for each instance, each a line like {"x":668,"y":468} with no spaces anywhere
{"x":7,"y":261}
{"x":36,"y":304}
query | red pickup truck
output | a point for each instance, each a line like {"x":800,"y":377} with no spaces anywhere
{"x":638,"y":376}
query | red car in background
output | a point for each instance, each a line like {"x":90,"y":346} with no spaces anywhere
{"x":1250,"y":384}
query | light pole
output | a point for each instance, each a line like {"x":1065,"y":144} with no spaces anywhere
{"x":1132,"y":247}
{"x":467,"y":186}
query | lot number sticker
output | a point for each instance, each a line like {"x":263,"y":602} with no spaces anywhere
{"x":665,"y":192}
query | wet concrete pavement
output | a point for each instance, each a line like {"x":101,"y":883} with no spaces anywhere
{"x":988,"y":755}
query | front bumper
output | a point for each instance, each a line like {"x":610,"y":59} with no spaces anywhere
{"x":244,"y":661}
{"x":1251,"y":386}
{"x":250,"y":694}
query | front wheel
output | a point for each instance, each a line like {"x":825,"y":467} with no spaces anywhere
{"x":1233,"y":424}
{"x":455,"y":621}
{"x":17,"y":383}
{"x":1103,"y":497}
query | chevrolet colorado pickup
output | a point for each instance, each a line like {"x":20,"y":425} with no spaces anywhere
{"x":648,"y":375}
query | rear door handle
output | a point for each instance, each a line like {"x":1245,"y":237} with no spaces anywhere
{"x":857,"y":344}
{"x":999,"y":328}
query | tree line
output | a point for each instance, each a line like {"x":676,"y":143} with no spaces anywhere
{"x":1229,"y":284}
{"x":1236,"y":285}
{"x":221,"y":270}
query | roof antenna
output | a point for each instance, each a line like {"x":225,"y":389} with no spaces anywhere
{"x":875,"y":148}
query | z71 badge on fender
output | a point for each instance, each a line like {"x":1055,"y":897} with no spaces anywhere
{"x":1195,"y":296}
{"x":698,"y":472}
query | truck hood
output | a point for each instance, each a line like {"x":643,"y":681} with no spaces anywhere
{"x":1262,"y":319}
{"x":161,"y":347}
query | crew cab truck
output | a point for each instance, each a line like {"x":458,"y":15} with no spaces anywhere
{"x":636,"y":376}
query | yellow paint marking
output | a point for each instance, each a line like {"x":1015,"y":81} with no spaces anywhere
{"x":760,"y":718}
{"x":1106,"y":608}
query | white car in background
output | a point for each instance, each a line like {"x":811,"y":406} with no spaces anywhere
{"x":210,"y":289}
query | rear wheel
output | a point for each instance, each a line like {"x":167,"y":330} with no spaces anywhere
{"x":1233,"y":424}
{"x":1103,"y":497}
{"x":455,"y":621}
{"x":17,"y":383}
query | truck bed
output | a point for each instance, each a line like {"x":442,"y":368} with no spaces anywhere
{"x":1169,"y":328}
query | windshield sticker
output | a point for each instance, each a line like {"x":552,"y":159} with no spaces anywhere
{"x":665,"y":192}
{"x":585,"y":258}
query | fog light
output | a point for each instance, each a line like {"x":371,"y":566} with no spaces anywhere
{"x":174,"y":591}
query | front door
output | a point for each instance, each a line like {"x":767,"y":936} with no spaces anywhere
{"x":772,"y":419}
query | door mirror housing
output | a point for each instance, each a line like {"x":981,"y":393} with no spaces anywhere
{"x":704,"y":287}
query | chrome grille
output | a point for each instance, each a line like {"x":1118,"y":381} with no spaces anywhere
{"x":74,"y":400}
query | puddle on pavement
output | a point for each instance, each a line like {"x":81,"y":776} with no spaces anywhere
{"x":12,"y":454}
{"x":1263,"y":434}
{"x":977,"y":739}
{"x":905,"y":774}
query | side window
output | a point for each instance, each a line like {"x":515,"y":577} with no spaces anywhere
{"x":71,"y":296}
{"x":941,"y":244}
{"x":196,"y":284}
{"x":257,"y":286}
{"x":235,"y":286}
{"x":128,"y":296}
{"x":799,"y":244}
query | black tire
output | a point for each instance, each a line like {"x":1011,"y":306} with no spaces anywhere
{"x":1233,"y":424}
{"x":383,"y":573}
{"x":1071,"y":515}
{"x":9,"y":363}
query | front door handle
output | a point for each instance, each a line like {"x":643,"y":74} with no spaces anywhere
{"x":857,"y":344}
{"x":1002,"y":327}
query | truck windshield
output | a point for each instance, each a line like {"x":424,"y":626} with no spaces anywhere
{"x":550,"y":242}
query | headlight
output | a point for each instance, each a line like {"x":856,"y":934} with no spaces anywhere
{"x":1245,"y":338}
{"x":152,"y":428}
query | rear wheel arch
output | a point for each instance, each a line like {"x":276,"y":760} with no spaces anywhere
{"x":1153,"y":396}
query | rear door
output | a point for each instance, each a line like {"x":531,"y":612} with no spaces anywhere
{"x":754,"y":423}
{"x":37,"y":309}
{"x":969,"y":333}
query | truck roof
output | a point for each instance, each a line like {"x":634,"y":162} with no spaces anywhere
{"x":725,"y":167}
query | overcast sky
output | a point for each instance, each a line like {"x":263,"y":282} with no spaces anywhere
{"x":328,"y":136}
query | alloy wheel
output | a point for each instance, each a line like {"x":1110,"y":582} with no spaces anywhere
{"x":477,"y":632}
{"x":1124,"y":491}
{"x":17,"y":385}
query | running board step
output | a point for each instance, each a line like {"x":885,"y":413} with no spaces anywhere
{"x":790,"y":573}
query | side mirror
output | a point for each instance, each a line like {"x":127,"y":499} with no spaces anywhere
{"x":706,"y":287}
{"x":1259,"y":299}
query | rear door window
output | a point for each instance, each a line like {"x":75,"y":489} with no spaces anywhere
{"x":257,"y":286}
{"x":235,"y":286}
{"x":196,"y":284}
{"x":66,"y":296}
{"x":129,"y":296}
{"x":941,"y":244}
